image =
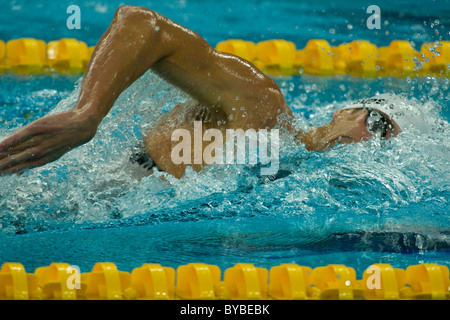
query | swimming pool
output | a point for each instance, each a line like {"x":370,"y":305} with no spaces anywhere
{"x":353,"y":205}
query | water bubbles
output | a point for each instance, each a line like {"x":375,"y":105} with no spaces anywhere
{"x":303,"y":97}
{"x":435,"y":23}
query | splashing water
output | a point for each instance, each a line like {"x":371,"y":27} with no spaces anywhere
{"x":396,"y":187}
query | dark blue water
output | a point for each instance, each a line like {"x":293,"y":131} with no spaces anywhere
{"x":356,"y":205}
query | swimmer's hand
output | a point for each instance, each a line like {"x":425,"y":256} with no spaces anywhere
{"x":45,"y":140}
{"x":345,"y":129}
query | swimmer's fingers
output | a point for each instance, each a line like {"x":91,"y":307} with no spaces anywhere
{"x":45,"y":140}
{"x":20,"y":147}
{"x":23,"y":139}
{"x":28,"y":148}
{"x":28,"y":159}
{"x":14,"y":141}
{"x":20,"y":157}
{"x":21,"y":167}
{"x":48,"y":127}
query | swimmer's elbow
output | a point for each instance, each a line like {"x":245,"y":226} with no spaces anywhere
{"x":138,"y":17}
{"x":134,"y":12}
{"x":275,"y":97}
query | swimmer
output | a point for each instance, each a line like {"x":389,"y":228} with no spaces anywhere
{"x":227,"y":92}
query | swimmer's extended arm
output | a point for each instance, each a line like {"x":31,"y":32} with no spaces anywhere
{"x":139,"y":39}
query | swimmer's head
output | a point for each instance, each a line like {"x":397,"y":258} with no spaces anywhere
{"x":383,"y":116}
{"x":397,"y":112}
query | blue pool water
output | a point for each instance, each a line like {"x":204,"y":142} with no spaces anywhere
{"x":355,"y":205}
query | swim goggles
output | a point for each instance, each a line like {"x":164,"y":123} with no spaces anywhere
{"x":377,"y":123}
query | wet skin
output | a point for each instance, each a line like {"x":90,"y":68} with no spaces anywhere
{"x":220,"y":84}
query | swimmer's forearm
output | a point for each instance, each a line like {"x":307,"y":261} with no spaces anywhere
{"x":127,"y":50}
{"x":313,"y":141}
{"x":322,"y":138}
